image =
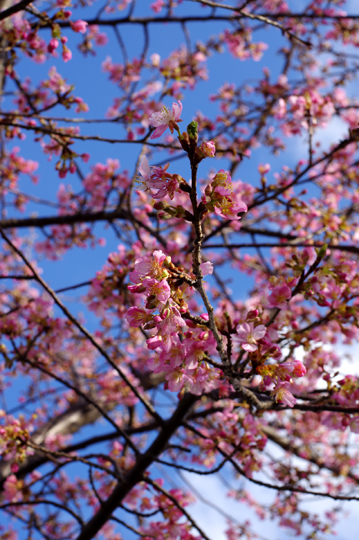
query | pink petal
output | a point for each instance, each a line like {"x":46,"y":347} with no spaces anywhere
{"x":158,"y":131}
{"x":249,"y":347}
{"x":207,"y":268}
{"x":177,"y":110}
{"x":259,"y":331}
{"x":144,"y":168}
{"x":241,"y":206}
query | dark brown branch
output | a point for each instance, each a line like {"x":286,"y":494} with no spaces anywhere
{"x":198,"y":471}
{"x":64,"y":135}
{"x":137,"y":472}
{"x":70,"y":219}
{"x":14,"y":9}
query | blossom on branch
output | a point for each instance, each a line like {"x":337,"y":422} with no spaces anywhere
{"x":136,"y":316}
{"x":249,"y":336}
{"x":280,"y":296}
{"x":206,"y":268}
{"x":79,"y":26}
{"x":149,"y":266}
{"x":166,"y":118}
{"x":208,"y":149}
{"x":219,"y":197}
{"x":157,"y":178}
{"x":282,"y":395}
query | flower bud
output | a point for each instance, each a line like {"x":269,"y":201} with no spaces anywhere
{"x":52,"y":46}
{"x":167,"y":261}
{"x":184,"y":141}
{"x":160,"y":205}
{"x":180,"y":211}
{"x":171,"y":211}
{"x":321,"y":252}
{"x":163,"y":216}
{"x":208,"y":149}
{"x":192,"y":130}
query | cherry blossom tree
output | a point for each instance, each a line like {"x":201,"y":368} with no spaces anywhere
{"x":219,"y":218}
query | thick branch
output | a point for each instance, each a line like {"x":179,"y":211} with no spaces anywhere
{"x":137,"y":472}
{"x":70,"y":219}
{"x":14,"y":9}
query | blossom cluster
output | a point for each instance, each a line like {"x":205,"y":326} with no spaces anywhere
{"x":13,"y":436}
{"x":183,"y":347}
{"x":157,"y":178}
{"x":181,"y":359}
{"x":220,"y":198}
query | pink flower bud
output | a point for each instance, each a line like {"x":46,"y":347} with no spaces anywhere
{"x":14,"y":467}
{"x":263,"y":169}
{"x":52,"y":46}
{"x":155,"y":59}
{"x":208,"y":148}
{"x":79,"y":26}
{"x":66,"y":54}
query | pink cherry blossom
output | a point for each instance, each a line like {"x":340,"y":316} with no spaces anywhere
{"x":157,"y":6}
{"x":144,"y":168}
{"x":140,"y":333}
{"x":296,"y":367}
{"x":148,"y":266}
{"x":166,"y":118}
{"x":136,"y":316}
{"x":157,"y":178}
{"x":229,"y":208}
{"x":160,"y":289}
{"x":175,"y":380}
{"x":163,"y":342}
{"x":264,"y":168}
{"x":248,"y":335}
{"x":279,"y":297}
{"x":223,"y":180}
{"x":283,"y":395}
{"x":354,"y":423}
{"x":171,"y":319}
{"x":79,"y":26}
